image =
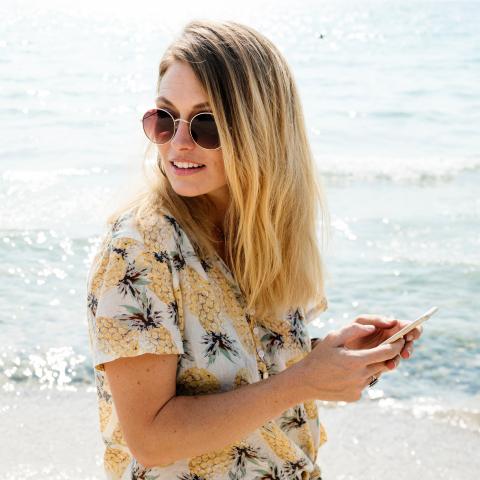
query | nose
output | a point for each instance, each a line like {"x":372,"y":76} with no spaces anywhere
{"x":182,"y":137}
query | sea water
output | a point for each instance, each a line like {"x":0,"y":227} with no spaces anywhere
{"x":391,"y":97}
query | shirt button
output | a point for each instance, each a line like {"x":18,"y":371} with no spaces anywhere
{"x":261,"y":353}
{"x":256,"y":330}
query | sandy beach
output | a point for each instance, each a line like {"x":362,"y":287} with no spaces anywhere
{"x":56,"y":437}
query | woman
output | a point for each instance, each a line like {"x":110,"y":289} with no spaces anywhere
{"x":200,"y":292}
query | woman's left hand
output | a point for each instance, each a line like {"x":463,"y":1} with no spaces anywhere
{"x":385,"y":328}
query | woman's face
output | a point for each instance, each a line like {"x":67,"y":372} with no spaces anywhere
{"x":183,"y":91}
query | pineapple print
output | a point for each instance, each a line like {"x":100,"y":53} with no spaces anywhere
{"x":296,"y":469}
{"x":323,"y":435}
{"x":92,"y":304}
{"x":297,"y":422}
{"x":298,"y":335}
{"x":158,"y":276}
{"x":278,"y":441}
{"x":118,"y":266}
{"x":219,"y":343}
{"x":117,"y":435}
{"x":105,"y":412}
{"x":211,"y":464}
{"x":114,"y":338}
{"x":116,"y":461}
{"x":161,"y":340}
{"x":243,"y":455}
{"x":143,"y":279}
{"x":276,"y":324}
{"x":311,"y":409}
{"x":118,"y":224}
{"x":230,"y":300}
{"x":305,"y":440}
{"x":197,"y":381}
{"x":180,"y":317}
{"x":316,"y":473}
{"x":244,"y":333}
{"x":200,"y":299}
{"x":241,"y":378}
{"x":273,"y":341}
{"x":155,"y":230}
{"x":296,"y":358}
{"x":271,"y":472}
{"x":99,"y":265}
{"x":233,"y":305}
{"x":185,"y":357}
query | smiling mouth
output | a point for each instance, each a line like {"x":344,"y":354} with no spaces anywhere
{"x":191,"y":166}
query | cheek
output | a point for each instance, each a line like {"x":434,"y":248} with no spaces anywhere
{"x":217,"y":169}
{"x":221,"y":169}
{"x":222,"y":178}
{"x":162,"y":152}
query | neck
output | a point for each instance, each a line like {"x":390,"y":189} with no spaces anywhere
{"x":220,"y":200}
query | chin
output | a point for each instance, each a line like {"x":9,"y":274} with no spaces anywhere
{"x":186,"y":191}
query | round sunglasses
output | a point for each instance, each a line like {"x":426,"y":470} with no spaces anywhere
{"x":160,"y":127}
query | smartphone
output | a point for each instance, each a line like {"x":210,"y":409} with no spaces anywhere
{"x":401,"y":333}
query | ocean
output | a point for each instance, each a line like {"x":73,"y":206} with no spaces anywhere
{"x":391,"y":97}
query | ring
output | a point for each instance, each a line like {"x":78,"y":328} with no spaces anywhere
{"x":374,"y":381}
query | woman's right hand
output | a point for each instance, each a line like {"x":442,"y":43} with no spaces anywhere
{"x":333,"y":372}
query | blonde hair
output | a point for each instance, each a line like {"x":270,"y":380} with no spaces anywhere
{"x":275,"y":189}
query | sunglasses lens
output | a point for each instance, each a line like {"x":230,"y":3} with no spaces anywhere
{"x":158,"y":126}
{"x":204,"y":131}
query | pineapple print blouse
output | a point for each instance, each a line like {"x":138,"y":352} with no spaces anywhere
{"x":148,"y":292}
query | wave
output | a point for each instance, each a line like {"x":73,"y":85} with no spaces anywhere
{"x":421,"y":170}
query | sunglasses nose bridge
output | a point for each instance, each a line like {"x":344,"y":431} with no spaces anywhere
{"x":176,"y":126}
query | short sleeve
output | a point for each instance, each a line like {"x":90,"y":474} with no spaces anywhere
{"x":314,"y":311}
{"x":133,"y":304}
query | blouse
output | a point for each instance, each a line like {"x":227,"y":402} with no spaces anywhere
{"x":148,"y":292}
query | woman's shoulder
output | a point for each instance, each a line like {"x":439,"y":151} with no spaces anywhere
{"x":134,"y":234}
{"x":153,"y":228}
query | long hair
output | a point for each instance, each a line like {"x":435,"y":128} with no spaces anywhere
{"x":277,"y":201}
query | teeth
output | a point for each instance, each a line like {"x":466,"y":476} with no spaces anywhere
{"x":186,"y":165}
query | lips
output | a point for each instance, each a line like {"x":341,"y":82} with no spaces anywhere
{"x":178,"y":160}
{"x":186,"y":171}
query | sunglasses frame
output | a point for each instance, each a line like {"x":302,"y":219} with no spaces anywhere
{"x":175,"y":127}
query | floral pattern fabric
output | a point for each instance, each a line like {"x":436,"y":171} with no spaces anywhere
{"x":148,"y":292}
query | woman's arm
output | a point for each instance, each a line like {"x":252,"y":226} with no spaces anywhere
{"x":161,"y":428}
{"x":187,"y":426}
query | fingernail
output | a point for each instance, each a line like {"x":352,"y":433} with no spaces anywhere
{"x":409,"y":337}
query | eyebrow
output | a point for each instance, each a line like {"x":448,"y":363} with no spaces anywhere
{"x":168,"y":102}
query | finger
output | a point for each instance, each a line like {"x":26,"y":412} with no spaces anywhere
{"x":393,"y":363}
{"x":381,"y":353}
{"x":377,"y":320}
{"x":415,"y":333}
{"x":375,"y":369}
{"x":407,"y":350}
{"x":386,"y":366}
{"x":349,"y":332}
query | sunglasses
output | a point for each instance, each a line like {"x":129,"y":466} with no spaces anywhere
{"x":160,"y":127}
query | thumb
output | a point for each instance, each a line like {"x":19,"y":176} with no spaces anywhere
{"x":349,"y":332}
